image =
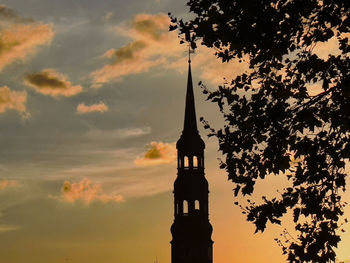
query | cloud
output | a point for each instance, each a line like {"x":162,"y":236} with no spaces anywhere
{"x":8,"y":228}
{"x":20,"y":37}
{"x":108,"y":16}
{"x":152,"y":46}
{"x":128,"y":181}
{"x":53,"y":83}
{"x":7,"y":15}
{"x":210,"y":68}
{"x":151,"y":26}
{"x":87,"y":191}
{"x":130,"y":59}
{"x":8,"y":183}
{"x":158,"y":153}
{"x":117,"y":133}
{"x":13,"y":100}
{"x":98,"y":107}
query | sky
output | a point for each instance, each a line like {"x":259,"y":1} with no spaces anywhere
{"x":92,"y":100}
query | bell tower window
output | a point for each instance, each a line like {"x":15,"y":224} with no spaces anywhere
{"x":187,"y":162}
{"x":196,"y":205}
{"x":185,"y":207}
{"x":196,"y":162}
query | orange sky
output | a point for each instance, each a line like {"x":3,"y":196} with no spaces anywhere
{"x":91,"y":104}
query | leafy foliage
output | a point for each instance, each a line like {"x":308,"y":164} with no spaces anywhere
{"x":289,"y":114}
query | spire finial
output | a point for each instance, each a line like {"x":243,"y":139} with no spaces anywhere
{"x":189,"y":53}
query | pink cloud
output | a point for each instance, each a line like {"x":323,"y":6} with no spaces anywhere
{"x":8,"y":228}
{"x":116,"y":71}
{"x":52,"y":83}
{"x":152,"y":46}
{"x":13,"y":100}
{"x":8,"y":183}
{"x":98,"y":107}
{"x":87,"y":191}
{"x":19,"y":41}
{"x":157,"y":153}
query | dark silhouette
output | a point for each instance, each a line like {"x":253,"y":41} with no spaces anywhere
{"x":289,"y":115}
{"x":191,"y":229}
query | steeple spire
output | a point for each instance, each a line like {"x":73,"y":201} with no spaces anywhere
{"x":191,"y":230}
{"x":190,"y":124}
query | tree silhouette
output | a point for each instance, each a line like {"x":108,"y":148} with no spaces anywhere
{"x":289,"y":115}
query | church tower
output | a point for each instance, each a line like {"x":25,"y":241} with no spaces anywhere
{"x":191,"y":230}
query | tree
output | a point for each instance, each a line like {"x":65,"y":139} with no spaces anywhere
{"x":289,"y":115}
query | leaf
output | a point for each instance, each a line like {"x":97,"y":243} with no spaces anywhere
{"x":296,"y":213}
{"x":290,"y":102}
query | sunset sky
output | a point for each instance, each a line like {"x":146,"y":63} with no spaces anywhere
{"x":92,"y":100}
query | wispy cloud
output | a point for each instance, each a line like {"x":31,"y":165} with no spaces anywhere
{"x":101,"y":107}
{"x":8,"y":228}
{"x":158,"y":153}
{"x":152,"y":45}
{"x":118,"y":173}
{"x":107,"y":17}
{"x":53,"y":83}
{"x":20,"y":37}
{"x":118,"y":133}
{"x":8,"y":183}
{"x":127,"y":181}
{"x":13,"y":100}
{"x":86,"y":191}
{"x":8,"y":15}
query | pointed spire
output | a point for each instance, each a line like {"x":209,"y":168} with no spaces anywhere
{"x":190,"y":142}
{"x":190,"y":124}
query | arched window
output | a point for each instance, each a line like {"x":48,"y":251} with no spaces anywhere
{"x":187,"y":162}
{"x":196,"y":205}
{"x":185,"y":207}
{"x":195,"y":161}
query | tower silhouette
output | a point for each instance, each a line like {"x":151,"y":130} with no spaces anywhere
{"x":191,"y":230}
